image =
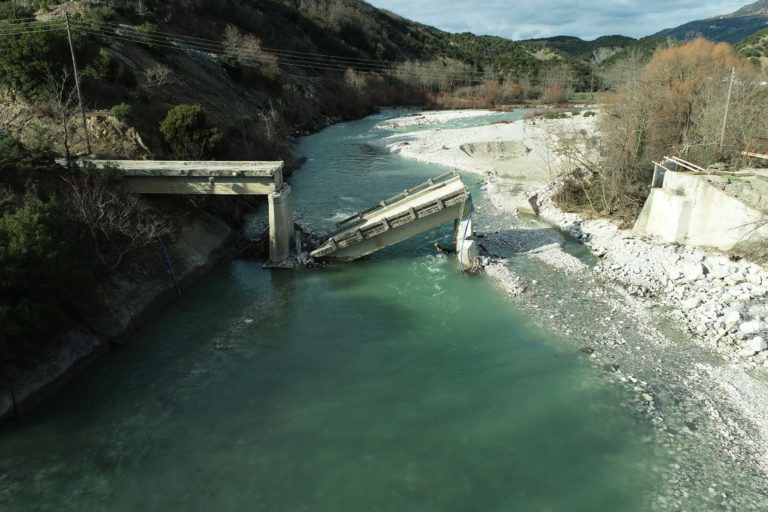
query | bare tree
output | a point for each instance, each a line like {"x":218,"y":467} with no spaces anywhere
{"x":115,"y":221}
{"x":247,"y":47}
{"x":156,"y":75}
{"x":59,"y":88}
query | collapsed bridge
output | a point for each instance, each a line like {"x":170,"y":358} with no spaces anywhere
{"x":413,"y":211}
{"x":428,"y":205}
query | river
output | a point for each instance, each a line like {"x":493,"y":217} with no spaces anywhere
{"x":393,"y":383}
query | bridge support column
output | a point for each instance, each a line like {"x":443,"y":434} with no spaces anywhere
{"x":466,"y":248}
{"x":280,"y":225}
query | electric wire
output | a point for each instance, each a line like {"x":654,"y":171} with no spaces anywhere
{"x":303,"y":60}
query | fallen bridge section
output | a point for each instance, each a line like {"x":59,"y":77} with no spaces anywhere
{"x":431,"y":204}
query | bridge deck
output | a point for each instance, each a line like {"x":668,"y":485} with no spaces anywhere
{"x":416,"y":210}
{"x":198,"y":177}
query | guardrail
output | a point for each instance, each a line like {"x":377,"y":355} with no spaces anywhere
{"x":402,"y":195}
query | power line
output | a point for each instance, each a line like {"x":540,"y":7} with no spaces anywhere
{"x":303,"y":60}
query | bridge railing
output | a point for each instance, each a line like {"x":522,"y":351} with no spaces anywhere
{"x":359,"y":216}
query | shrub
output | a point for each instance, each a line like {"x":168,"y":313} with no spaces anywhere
{"x":11,"y":150}
{"x":188,"y":134}
{"x":103,"y":66}
{"x":147,"y":34}
{"x":39,"y":281}
{"x":553,"y":94}
{"x":13,"y":11}
{"x":232,"y":65}
{"x":26,"y":53}
{"x":122,"y":111}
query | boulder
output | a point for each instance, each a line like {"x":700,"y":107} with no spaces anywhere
{"x":758,"y":344}
{"x":690,"y":303}
{"x":750,"y":327}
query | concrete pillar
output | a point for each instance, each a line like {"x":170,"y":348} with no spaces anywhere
{"x":466,"y":248}
{"x":280,"y":225}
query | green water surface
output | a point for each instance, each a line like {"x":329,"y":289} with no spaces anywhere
{"x":393,"y":383}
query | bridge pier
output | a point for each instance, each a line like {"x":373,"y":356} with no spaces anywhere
{"x":218,"y":178}
{"x":280,"y":226}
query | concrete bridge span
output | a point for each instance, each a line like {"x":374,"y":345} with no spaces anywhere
{"x":217,"y":178}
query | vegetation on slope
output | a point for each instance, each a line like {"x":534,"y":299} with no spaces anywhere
{"x":673,"y":105}
{"x":729,"y":28}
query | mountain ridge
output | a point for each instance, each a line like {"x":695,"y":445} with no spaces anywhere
{"x":729,"y":28}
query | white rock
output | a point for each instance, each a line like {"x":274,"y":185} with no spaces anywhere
{"x":746,"y":352}
{"x":735,"y":278}
{"x":758,"y":344}
{"x":720,"y":272}
{"x":750,"y":327}
{"x":693,"y":271}
{"x":691,"y":303}
{"x":732,"y":318}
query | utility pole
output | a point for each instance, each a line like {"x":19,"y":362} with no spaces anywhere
{"x":77,"y":86}
{"x":727,"y":107}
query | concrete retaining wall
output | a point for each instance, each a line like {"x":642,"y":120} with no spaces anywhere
{"x":128,"y":299}
{"x":689,"y":209}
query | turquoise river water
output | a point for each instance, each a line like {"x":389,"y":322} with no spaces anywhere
{"x":393,"y":383}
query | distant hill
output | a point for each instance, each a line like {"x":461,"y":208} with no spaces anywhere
{"x":597,"y":50}
{"x":729,"y":28}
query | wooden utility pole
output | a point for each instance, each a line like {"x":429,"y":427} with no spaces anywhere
{"x":727,"y":107}
{"x":77,"y":86}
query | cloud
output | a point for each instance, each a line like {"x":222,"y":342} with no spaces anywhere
{"x":544,"y":18}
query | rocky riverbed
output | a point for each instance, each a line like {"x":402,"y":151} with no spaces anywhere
{"x":683,"y":328}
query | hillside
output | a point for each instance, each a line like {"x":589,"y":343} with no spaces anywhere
{"x":729,"y":28}
{"x":596,"y":50}
{"x":755,"y":46}
{"x":249,"y":63}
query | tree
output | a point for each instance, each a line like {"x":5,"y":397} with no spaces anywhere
{"x":59,"y":89}
{"x":114,"y":220}
{"x":674,"y":105}
{"x":39,"y":281}
{"x":187,"y":132}
{"x":29,"y":50}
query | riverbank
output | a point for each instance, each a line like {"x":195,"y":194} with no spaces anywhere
{"x":680,"y":326}
{"x":127,"y":300}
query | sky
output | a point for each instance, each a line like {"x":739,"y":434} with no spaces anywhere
{"x":587,"y":19}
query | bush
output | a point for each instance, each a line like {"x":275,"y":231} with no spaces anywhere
{"x":13,"y":11}
{"x":122,"y":111}
{"x":11,"y":150}
{"x":38,"y":282}
{"x":553,"y":94}
{"x":232,"y":65}
{"x":188,"y":134}
{"x":103,"y":66}
{"x":147,"y":34}
{"x":30,"y":51}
